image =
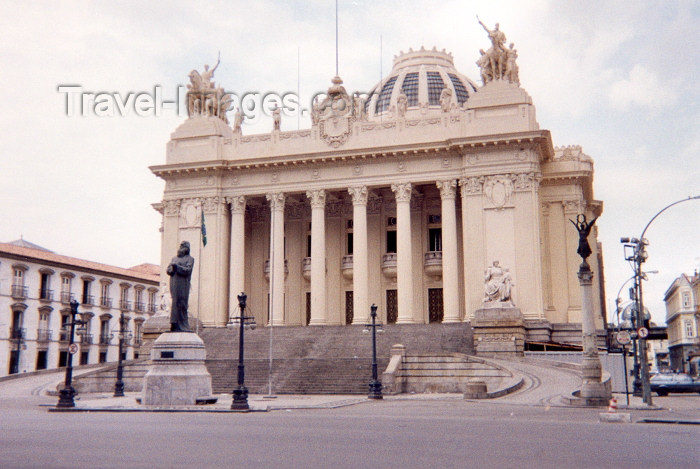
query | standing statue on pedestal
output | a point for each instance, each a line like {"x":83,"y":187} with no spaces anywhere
{"x":180,"y":272}
{"x":584,"y":229}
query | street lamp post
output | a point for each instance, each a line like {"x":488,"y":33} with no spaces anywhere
{"x":119,"y":385}
{"x":68,"y":392}
{"x":639,"y":256}
{"x":240,"y":394}
{"x":375,"y":386}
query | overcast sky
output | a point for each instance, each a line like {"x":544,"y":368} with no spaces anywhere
{"x":618,"y":78}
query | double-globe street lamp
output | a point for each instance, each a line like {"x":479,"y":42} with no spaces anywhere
{"x":240,"y":393}
{"x":123,"y":334}
{"x":375,"y":386}
{"x":65,"y":399}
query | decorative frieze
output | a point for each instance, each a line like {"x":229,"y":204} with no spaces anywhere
{"x":471,"y":185}
{"x":296,"y":211}
{"x":212,"y":204}
{"x":498,"y":191}
{"x":172,"y":207}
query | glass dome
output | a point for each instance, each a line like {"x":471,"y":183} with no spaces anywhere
{"x":421,"y":75}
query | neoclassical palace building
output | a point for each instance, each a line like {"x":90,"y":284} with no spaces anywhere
{"x":400,"y":198}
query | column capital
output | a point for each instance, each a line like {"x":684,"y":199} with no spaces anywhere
{"x":448,"y":188}
{"x":172,"y":207}
{"x":402,"y":191}
{"x":317,"y":198}
{"x":471,"y":185}
{"x":237,"y":203}
{"x":276,"y":200}
{"x":359,"y":195}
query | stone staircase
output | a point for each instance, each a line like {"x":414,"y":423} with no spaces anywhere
{"x":323,"y":359}
{"x":444,"y":372}
{"x":103,"y":379}
{"x":305,"y":360}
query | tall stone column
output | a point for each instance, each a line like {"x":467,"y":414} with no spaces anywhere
{"x":593,"y":391}
{"x":360,"y":263}
{"x":237,"y":263}
{"x":318,"y":256}
{"x":450,"y":274}
{"x":276,"y":201}
{"x":404,"y":264}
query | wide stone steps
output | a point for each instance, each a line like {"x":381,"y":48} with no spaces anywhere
{"x":322,"y":359}
{"x":446,"y":372}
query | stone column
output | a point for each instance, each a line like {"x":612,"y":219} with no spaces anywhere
{"x":450,"y":274}
{"x":593,"y":391}
{"x":404,"y":263}
{"x":318,"y":256}
{"x":237,"y":264}
{"x":276,"y":201}
{"x":360,"y":263}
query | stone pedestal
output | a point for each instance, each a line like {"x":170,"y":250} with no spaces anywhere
{"x":499,"y":331}
{"x":178,"y":376}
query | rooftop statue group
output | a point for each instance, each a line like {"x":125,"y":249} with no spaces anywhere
{"x":499,"y":61}
{"x":204,"y":98}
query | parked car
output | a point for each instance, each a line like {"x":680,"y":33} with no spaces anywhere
{"x":664,"y":383}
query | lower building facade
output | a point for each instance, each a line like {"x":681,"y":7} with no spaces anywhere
{"x":37,"y":287}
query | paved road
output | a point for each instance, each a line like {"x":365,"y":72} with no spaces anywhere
{"x":404,"y":432}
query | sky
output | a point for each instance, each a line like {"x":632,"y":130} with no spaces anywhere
{"x":618,"y":78}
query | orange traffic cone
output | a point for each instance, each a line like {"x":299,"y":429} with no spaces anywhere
{"x":612,"y":407}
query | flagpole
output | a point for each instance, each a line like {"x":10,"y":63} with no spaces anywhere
{"x":271,"y":302}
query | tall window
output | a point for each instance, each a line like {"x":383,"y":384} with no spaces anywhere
{"x":435,"y":87}
{"x":66,"y":283}
{"x":410,"y":88}
{"x":104,"y":332}
{"x":435,"y":239}
{"x":385,"y":95}
{"x":19,"y":291}
{"x":105,"y":300}
{"x":152,"y":301}
{"x":88,"y":299}
{"x":45,"y":292}
{"x":139,"y":299}
{"x":124,"y":298}
{"x":689,"y":328}
{"x":686,"y":299}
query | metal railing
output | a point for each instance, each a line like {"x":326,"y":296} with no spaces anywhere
{"x":140,"y":306}
{"x":105,"y":339}
{"x":17,"y":333}
{"x":45,"y":295}
{"x":86,"y":339}
{"x":125,"y":305}
{"x":88,"y":300}
{"x":67,"y":297}
{"x":19,"y":292}
{"x":105,"y":302}
{"x":43,"y":335}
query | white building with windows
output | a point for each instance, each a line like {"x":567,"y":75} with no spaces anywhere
{"x":36,"y":288}
{"x":402,"y":199}
{"x":682,"y":316}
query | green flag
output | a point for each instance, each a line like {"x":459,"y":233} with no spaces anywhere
{"x":204,"y":231}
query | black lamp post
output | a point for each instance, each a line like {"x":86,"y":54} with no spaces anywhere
{"x":375,"y":386}
{"x":240,"y":394}
{"x":119,"y":385}
{"x":67,"y":393}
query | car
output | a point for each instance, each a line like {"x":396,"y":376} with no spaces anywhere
{"x":664,"y":383}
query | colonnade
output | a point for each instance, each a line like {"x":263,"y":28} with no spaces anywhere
{"x":406,"y":277}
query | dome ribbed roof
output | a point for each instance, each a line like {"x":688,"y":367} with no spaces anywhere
{"x":421,"y":75}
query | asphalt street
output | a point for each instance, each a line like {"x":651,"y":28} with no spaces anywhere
{"x":525,"y":429}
